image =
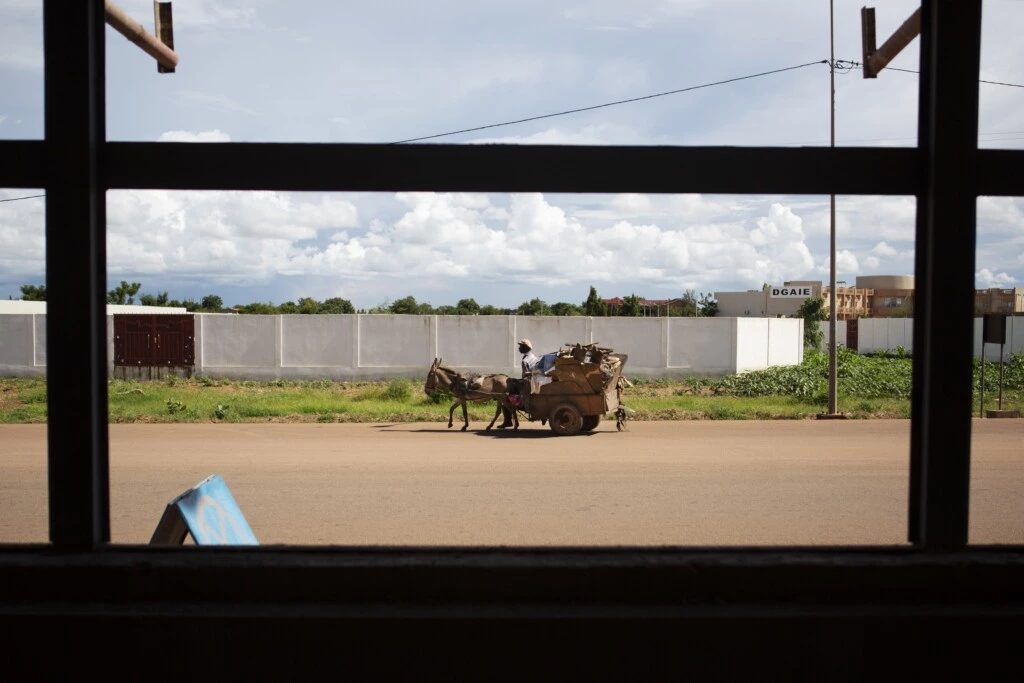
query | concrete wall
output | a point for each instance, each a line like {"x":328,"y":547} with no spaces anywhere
{"x":701,"y":345}
{"x":840,"y":333}
{"x":19,"y":307}
{"x":355,"y":347}
{"x":18,"y":346}
{"x":765,"y":342}
{"x":888,"y":334}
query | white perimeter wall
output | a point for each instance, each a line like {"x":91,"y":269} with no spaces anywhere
{"x":765,"y":342}
{"x":888,"y":334}
{"x":353,"y":347}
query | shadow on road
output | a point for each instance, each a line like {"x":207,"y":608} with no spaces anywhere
{"x":542,"y":433}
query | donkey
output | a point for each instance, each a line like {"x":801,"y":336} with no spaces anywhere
{"x":464,"y":389}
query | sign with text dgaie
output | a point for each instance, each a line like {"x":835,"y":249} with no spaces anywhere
{"x":801,"y":292}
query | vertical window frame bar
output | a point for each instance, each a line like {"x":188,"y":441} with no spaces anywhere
{"x":945,"y":247}
{"x":76,"y":340}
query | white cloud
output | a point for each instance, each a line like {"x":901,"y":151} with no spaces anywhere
{"x":2,"y":119}
{"x":846,"y":262}
{"x":883,"y":249}
{"x":872,"y":262}
{"x":185,"y":136}
{"x":220,"y":236}
{"x":985,"y":279}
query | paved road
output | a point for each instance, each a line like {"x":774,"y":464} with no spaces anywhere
{"x":662,"y":483}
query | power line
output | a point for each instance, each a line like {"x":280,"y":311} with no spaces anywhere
{"x":911,"y":71}
{"x":612,"y":104}
{"x":15,"y":199}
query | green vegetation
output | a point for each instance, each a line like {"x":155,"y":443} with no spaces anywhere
{"x":871,"y":386}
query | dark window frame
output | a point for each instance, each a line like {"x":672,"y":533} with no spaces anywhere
{"x":946,"y":171}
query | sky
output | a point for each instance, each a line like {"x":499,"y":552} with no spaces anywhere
{"x":324,"y":71}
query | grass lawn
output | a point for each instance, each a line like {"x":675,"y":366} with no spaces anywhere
{"x":869,"y":387}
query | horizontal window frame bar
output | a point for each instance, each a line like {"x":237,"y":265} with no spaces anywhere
{"x":151,"y":165}
{"x":323,"y":576}
{"x":511,"y":168}
{"x":22,"y":163}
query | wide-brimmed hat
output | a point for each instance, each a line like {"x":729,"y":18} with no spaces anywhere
{"x":526,"y":343}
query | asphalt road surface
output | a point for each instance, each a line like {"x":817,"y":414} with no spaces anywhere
{"x":661,"y":483}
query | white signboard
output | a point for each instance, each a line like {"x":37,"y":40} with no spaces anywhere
{"x":801,"y":292}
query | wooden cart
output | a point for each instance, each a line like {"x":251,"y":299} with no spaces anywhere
{"x":586,"y":383}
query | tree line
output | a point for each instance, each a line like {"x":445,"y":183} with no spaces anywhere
{"x":688,"y":305}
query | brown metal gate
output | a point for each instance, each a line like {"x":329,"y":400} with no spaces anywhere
{"x":851,"y":334}
{"x":154,"y":340}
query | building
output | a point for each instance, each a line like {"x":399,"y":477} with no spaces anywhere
{"x":893,"y":295}
{"x":876,"y":296}
{"x":851,"y":302}
{"x":998,"y":300}
{"x":769,"y":302}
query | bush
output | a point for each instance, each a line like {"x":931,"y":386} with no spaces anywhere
{"x":397,"y":390}
{"x":441,"y":395}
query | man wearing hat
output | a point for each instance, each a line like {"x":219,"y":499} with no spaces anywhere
{"x":529,"y":361}
{"x":529,"y":357}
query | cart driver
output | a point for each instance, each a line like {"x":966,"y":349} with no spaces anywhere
{"x":530,"y":359}
{"x":529,"y":362}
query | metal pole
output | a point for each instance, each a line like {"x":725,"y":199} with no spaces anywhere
{"x":1001,"y":375}
{"x":981,"y":402}
{"x":133,"y":31}
{"x":832,"y":374}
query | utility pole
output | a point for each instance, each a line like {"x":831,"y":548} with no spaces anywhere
{"x":833,"y":407}
{"x":833,"y":403}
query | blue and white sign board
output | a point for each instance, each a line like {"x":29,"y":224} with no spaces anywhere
{"x":209,"y":513}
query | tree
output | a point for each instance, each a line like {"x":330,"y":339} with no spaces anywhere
{"x":446,"y":309}
{"x":812,"y":310}
{"x":467,"y":307}
{"x":562,"y":308}
{"x":688,"y":305}
{"x":534,"y":306}
{"x":257,"y":308}
{"x":123,"y":293}
{"x":308,"y":306}
{"x":631,"y":306}
{"x":408,"y":306}
{"x":288,"y":308}
{"x":212,"y":303}
{"x":494,"y":310}
{"x":161,"y":299}
{"x":336,"y":305}
{"x":707,"y":306}
{"x":594,"y":306}
{"x":33,"y":292}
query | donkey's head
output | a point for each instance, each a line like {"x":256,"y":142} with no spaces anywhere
{"x":430,"y":386}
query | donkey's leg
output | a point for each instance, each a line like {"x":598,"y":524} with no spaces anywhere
{"x":451,"y":411}
{"x":497,"y":411}
{"x":465,"y":415}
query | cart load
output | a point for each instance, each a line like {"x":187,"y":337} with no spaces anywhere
{"x":573,"y":388}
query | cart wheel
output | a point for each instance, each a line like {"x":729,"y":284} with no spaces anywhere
{"x":590,"y":422}
{"x":566,"y":420}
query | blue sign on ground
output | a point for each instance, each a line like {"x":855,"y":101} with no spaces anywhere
{"x":207,"y":511}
